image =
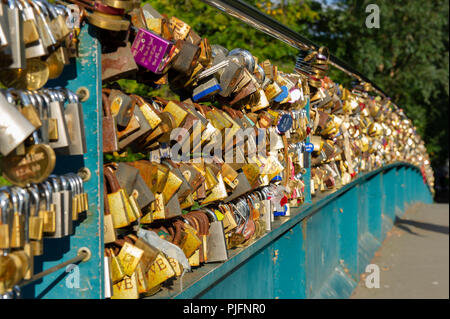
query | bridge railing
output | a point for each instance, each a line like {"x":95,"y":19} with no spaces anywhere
{"x":319,"y":251}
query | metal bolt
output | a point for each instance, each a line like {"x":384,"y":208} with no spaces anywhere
{"x":86,"y":251}
{"x":82,"y":93}
{"x":84,"y":173}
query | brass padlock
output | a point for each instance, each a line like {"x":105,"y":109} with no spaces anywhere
{"x":117,"y":200}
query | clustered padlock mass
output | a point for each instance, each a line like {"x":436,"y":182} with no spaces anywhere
{"x":232,"y":154}
{"x":187,"y":181}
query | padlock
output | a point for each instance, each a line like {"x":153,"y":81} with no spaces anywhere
{"x":48,"y":213}
{"x":14,"y":266}
{"x":150,"y":253}
{"x":118,"y":200}
{"x":145,"y":195}
{"x":57,"y":112}
{"x":142,"y":131}
{"x":109,"y":233}
{"x":110,"y":139}
{"x":26,"y":226}
{"x":117,"y":273}
{"x":29,"y":110}
{"x":187,"y":57}
{"x":206,"y":89}
{"x":107,"y":274}
{"x":14,"y":127}
{"x":44,"y":22}
{"x":73,"y":115}
{"x":129,"y":256}
{"x":34,"y":47}
{"x":36,"y":222}
{"x":203,"y":229}
{"x":67,"y":198}
{"x":109,"y":22}
{"x":216,"y":242}
{"x":217,"y":192}
{"x":117,"y":64}
{"x":17,"y":234}
{"x":75,"y":198}
{"x":148,"y":111}
{"x":228,"y":222}
{"x":5,"y":210}
{"x":5,"y":49}
{"x":149,"y":50}
{"x":15,"y":21}
{"x":57,"y":200}
{"x":160,"y":271}
{"x":242,"y":187}
{"x":121,"y":107}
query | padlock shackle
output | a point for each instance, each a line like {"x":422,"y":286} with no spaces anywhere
{"x":111,"y":179}
{"x":202,"y":220}
{"x":54,"y":182}
{"x":106,"y":210}
{"x":106,"y":105}
{"x":19,"y":200}
{"x":36,"y":198}
{"x":5,"y":208}
{"x":46,"y":187}
{"x":73,"y":185}
{"x":209,"y":212}
{"x":76,"y":182}
{"x":25,"y":201}
{"x":64,"y":183}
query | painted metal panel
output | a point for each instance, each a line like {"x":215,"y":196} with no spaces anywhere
{"x":289,"y":253}
{"x":86,"y":73}
{"x":348,"y":232}
{"x":374,"y":205}
{"x":252,"y":280}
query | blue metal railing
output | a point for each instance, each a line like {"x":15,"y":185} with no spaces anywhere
{"x":321,"y":249}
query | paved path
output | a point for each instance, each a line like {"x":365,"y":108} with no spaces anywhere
{"x":414,"y":258}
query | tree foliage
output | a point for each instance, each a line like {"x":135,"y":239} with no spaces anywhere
{"x":407,"y":56}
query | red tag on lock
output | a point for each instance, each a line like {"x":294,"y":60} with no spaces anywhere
{"x":284,"y":200}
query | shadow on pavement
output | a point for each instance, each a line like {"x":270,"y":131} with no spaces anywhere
{"x":401,"y":223}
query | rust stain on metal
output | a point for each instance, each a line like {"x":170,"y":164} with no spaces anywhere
{"x":304,"y":229}
{"x":276,"y":256}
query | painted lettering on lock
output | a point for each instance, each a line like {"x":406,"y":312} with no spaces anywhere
{"x":161,"y":265}
{"x":125,"y":284}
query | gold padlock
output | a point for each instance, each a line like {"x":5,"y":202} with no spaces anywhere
{"x":129,"y":257}
{"x":160,"y":271}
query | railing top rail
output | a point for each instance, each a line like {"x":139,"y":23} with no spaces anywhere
{"x":256,"y":19}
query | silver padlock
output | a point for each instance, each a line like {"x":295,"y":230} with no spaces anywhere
{"x":57,"y":112}
{"x":15,"y":23}
{"x":74,"y":117}
{"x":67,"y":197}
{"x":38,"y":102}
{"x":216,"y":242}
{"x":37,"y":48}
{"x":14,"y":127}
{"x":44,"y":21}
{"x":57,"y":198}
{"x":4,"y":34}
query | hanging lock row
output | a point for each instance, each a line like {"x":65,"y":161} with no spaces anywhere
{"x":44,"y":210}
{"x":37,"y":39}
{"x":35,"y":126}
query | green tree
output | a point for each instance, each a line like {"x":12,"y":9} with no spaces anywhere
{"x":407,"y":57}
{"x":228,"y":31}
